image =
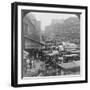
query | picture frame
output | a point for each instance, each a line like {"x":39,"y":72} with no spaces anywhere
{"x":45,"y":14}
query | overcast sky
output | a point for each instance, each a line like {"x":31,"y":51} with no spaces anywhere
{"x":46,"y":18}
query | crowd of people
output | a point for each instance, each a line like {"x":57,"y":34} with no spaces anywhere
{"x":43,"y":62}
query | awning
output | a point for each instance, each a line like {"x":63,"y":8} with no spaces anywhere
{"x":71,"y":55}
{"x":70,"y":65}
{"x":53,"y":53}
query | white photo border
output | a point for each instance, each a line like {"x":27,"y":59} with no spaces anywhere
{"x":82,"y":57}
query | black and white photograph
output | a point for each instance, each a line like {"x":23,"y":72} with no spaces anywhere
{"x":50,"y":44}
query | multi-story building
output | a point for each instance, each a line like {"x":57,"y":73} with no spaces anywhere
{"x":31,"y":32}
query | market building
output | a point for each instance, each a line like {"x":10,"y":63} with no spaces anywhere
{"x":31,"y":29}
